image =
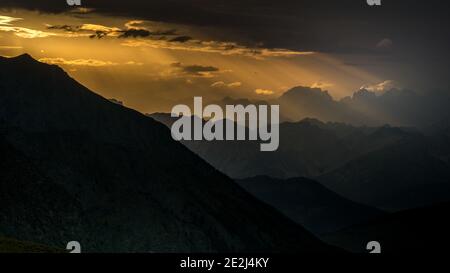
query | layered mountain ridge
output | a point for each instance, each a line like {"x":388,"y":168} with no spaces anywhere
{"x":81,"y":168}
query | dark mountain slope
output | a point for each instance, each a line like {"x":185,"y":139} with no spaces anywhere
{"x":26,"y":207}
{"x":309,"y":203}
{"x":8,"y":245}
{"x":128,"y":185}
{"x":403,"y":175}
{"x":416,"y":231}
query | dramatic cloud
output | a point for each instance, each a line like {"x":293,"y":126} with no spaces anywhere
{"x":133,"y":29}
{"x":134,"y":63}
{"x":85,"y":62}
{"x":181,"y":39}
{"x":134,"y":24}
{"x":322,"y":85}
{"x":196,"y":70}
{"x":26,"y":32}
{"x":385,"y":44}
{"x":10,"y":47}
{"x":81,"y":10}
{"x":93,"y":27}
{"x":6,"y":20}
{"x":6,"y":26}
{"x":136,"y":30}
{"x":221,"y":84}
{"x":264,"y":91}
{"x":382,"y":87}
{"x":77,"y":62}
{"x":351,"y":45}
{"x":234,"y":84}
{"x":135,"y":33}
{"x":281,"y":24}
{"x":163,"y":39}
{"x":223,"y":48}
{"x":64,"y":27}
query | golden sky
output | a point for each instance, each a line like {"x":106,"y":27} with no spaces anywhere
{"x":151,"y":66}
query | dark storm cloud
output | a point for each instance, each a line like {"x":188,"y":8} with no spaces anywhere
{"x":99,"y":34}
{"x":317,"y":25}
{"x":195,"y":70}
{"x":132,"y":32}
{"x":345,"y":27}
{"x":144,"y":33}
{"x":198,"y":68}
{"x":64,"y":27}
{"x":181,"y":39}
{"x":135,"y":33}
{"x":169,"y":32}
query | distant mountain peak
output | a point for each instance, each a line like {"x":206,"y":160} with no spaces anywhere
{"x":312,"y":121}
{"x":364,"y":94}
{"x":26,"y":62}
{"x":22,"y":58}
{"x":306,"y":95}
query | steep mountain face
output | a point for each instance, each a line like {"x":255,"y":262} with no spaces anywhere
{"x":403,"y":175}
{"x":416,"y":231}
{"x":80,"y":168}
{"x":30,"y":201}
{"x":309,"y":203}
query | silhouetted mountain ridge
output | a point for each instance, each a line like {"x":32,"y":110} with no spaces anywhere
{"x":121,"y":181}
{"x":307,"y":148}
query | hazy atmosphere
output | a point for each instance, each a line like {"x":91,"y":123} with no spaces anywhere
{"x":153,"y":54}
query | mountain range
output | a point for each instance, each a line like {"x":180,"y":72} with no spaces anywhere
{"x":397,"y":107}
{"x":391,"y":168}
{"x":77,"y":167}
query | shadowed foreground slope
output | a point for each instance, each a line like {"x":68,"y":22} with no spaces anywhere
{"x":14,"y":246}
{"x":416,"y":231}
{"x":309,"y":203}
